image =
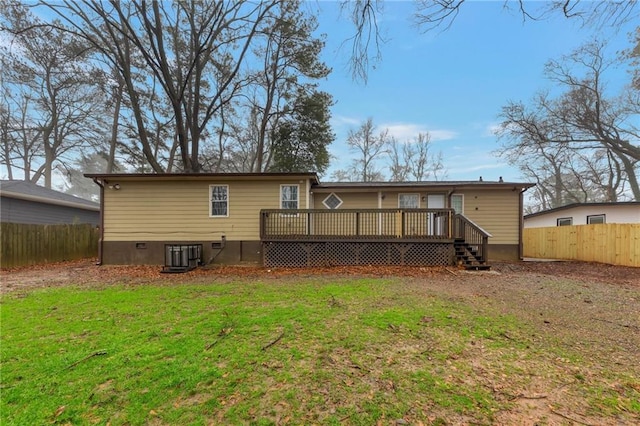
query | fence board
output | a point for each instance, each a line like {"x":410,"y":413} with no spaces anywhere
{"x":25,"y":244}
{"x":612,"y":243}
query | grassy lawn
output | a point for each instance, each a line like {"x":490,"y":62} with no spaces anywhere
{"x":313,"y":351}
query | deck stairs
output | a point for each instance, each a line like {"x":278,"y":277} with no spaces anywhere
{"x":467,"y":256}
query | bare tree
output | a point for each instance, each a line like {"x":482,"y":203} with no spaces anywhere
{"x":590,"y":117}
{"x":366,"y":41}
{"x":397,"y":164}
{"x":50,"y":83}
{"x":422,"y":163}
{"x":441,"y":14}
{"x":368,"y":149}
{"x":634,"y":55}
{"x":22,"y":140}
{"x":414,"y":160}
{"x":179,"y":44}
{"x":582,"y":134}
{"x":8,"y":128}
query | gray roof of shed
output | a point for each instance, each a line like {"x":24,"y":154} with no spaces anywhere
{"x":30,"y":191}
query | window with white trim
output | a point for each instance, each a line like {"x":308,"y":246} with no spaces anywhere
{"x":457,"y":203}
{"x":289,"y":196}
{"x":219,"y":200}
{"x":596,"y":218}
{"x":332,"y":202}
{"x":408,"y":201}
{"x":565,"y":221}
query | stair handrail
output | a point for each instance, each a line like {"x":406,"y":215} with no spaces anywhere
{"x":472,"y":234}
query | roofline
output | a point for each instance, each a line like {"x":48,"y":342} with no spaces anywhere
{"x":38,"y":199}
{"x":169,"y":176}
{"x":575,"y":205}
{"x":349,"y":186}
{"x":355,"y":186}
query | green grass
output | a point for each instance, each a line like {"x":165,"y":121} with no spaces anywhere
{"x":355,"y":351}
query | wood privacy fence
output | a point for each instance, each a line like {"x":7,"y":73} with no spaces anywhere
{"x":613,"y":243}
{"x":24,"y":244}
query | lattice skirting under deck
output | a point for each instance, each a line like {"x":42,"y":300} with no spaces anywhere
{"x":340,"y":253}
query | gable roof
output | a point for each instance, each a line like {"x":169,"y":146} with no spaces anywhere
{"x":574,"y":205}
{"x":29,"y":191}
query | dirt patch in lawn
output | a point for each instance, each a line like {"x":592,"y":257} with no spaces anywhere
{"x":590,"y":310}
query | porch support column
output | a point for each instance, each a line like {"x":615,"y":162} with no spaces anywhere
{"x":379,"y":215}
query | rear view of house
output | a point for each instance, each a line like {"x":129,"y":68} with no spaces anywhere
{"x":292,"y":219}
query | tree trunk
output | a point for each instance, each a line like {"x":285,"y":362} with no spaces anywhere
{"x":631,"y":175}
{"x":114,"y":126}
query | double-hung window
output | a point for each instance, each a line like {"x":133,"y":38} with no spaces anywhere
{"x":289,"y":196}
{"x":408,"y":201}
{"x":219,"y":200}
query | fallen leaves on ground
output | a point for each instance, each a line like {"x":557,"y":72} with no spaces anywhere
{"x":87,"y":271}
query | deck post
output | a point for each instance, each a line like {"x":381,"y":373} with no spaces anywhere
{"x":357,"y":223}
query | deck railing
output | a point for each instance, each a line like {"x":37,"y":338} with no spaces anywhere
{"x":356,"y":224}
{"x":472,"y":234}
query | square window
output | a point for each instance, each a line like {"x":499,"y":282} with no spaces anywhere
{"x":597,"y":218}
{"x":408,"y":201}
{"x":219,"y":200}
{"x":332,"y":202}
{"x":565,"y":221}
{"x":289,"y":196}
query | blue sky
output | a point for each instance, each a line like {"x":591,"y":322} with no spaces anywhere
{"x":452,"y":82}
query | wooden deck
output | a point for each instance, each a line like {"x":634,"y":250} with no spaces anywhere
{"x":320,"y":237}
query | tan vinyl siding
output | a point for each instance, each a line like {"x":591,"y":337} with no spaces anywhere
{"x":494,"y":210}
{"x":179,"y":210}
{"x":497,"y":212}
{"x":350,"y":200}
{"x":345,"y":225}
{"x":390,"y":200}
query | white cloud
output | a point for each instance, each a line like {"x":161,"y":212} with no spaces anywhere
{"x":491,"y":129}
{"x":401,"y":131}
{"x":408,"y":131}
{"x":341,"y":120}
{"x":442,"y":135}
{"x":491,"y":171}
{"x":484,"y":167}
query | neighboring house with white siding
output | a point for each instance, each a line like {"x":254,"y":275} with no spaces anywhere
{"x":585,"y":214}
{"x":26,"y":202}
{"x":292,"y":219}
